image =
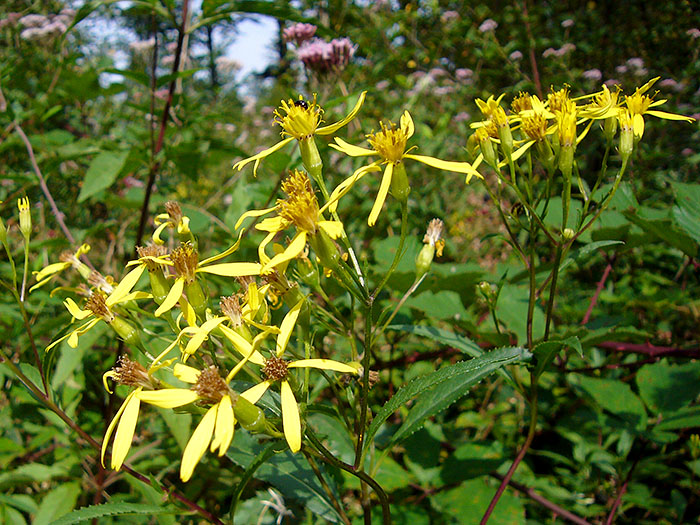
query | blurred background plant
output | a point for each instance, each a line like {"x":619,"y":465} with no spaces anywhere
{"x":108,"y":110}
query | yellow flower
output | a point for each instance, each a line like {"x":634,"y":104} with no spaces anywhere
{"x":173,"y":219}
{"x":98,"y":308}
{"x":25,"y":217}
{"x":215,"y":430}
{"x":390,"y":144}
{"x":300,"y":120}
{"x":68,"y":260}
{"x":127,"y":372}
{"x":185,"y":260}
{"x":277,"y":369}
{"x":638,"y":105}
{"x":300,"y":209}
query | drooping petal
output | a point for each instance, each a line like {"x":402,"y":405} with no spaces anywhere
{"x":381,"y":196}
{"x":638,"y":126}
{"x":115,"y":420}
{"x":264,"y":259}
{"x":287,"y":326}
{"x":223,"y":430}
{"x":228,"y":251}
{"x":73,"y":336}
{"x":254,"y":394}
{"x":334,"y":229}
{"x":156,"y":234}
{"x":126,"y":284}
{"x":271,"y":224}
{"x":169,"y":397}
{"x":258,"y":157}
{"x":350,"y":149}
{"x":198,"y":443}
{"x":253,"y":213}
{"x":172,"y":298}
{"x":291,"y":252}
{"x":236,"y":269}
{"x":125,"y":430}
{"x":332,"y":128}
{"x":344,"y":187}
{"x":128,"y":297}
{"x":324,"y":364}
{"x":290,"y":417}
{"x":51,"y":269}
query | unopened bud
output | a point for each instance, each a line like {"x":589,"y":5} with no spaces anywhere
{"x":568,"y":234}
{"x":434,"y":244}
{"x":25,"y":217}
{"x":399,"y":183}
{"x":325,"y":249}
{"x":248,"y":415}
{"x":626,"y":134}
{"x":3,"y":232}
{"x":311,"y":159}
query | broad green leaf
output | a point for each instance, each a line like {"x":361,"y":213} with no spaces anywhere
{"x":512,"y":312}
{"x":615,"y":397}
{"x":686,"y":213}
{"x":444,"y":304}
{"x":265,"y":454}
{"x":57,"y":503}
{"x":466,"y":504}
{"x":289,"y":473}
{"x":472,"y":460}
{"x":111,"y":509}
{"x":465,"y":373}
{"x":584,"y":252}
{"x":102,"y":172}
{"x":545,"y":352}
{"x":684,"y":418}
{"x":664,"y":230}
{"x":22,"y":502}
{"x":665,"y":387}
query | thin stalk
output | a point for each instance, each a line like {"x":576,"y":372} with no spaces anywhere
{"x":364,"y":394}
{"x":26,"y":268}
{"x":399,"y":250}
{"x":408,"y":293}
{"x":552,"y":290}
{"x":326,"y":487}
{"x":533,"y":289}
{"x":329,"y":458}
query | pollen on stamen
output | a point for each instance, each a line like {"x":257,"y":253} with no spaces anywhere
{"x":185,"y":259}
{"x":275,"y":368}
{"x":210,"y":385}
{"x":522,"y":102}
{"x":151,"y":250}
{"x":231,"y":308}
{"x":389,"y":142}
{"x":131,"y":373}
{"x":97,"y":305}
{"x":301,"y":205}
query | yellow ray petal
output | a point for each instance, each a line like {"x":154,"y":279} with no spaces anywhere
{"x":156,"y":234}
{"x":223,"y":430}
{"x":324,"y":364}
{"x":253,"y":213}
{"x":236,"y":269}
{"x":242,"y":346}
{"x":290,"y":417}
{"x":125,"y":430}
{"x":669,"y":116}
{"x":264,"y":153}
{"x":406,"y":123}
{"x":287,"y":327}
{"x":271,"y":224}
{"x":332,"y":128}
{"x":186,"y":373}
{"x":381,"y":196}
{"x":202,"y":333}
{"x":293,"y":250}
{"x":198,"y":443}
{"x":350,"y":149}
{"x":254,"y":394}
{"x":115,"y":420}
{"x":73,"y":336}
{"x":126,"y":284}
{"x":228,"y":251}
{"x":334,"y":229}
{"x":50,"y":270}
{"x":344,"y":187}
{"x":75,"y":310}
{"x":458,"y":167}
{"x":169,"y":397}
{"x":172,"y":298}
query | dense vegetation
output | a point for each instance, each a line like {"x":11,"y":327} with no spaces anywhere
{"x":171,"y":271}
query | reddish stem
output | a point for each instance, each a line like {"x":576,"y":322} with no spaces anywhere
{"x":598,"y":289}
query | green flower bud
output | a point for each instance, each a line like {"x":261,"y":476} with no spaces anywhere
{"x":311,"y":158}
{"x":433,"y":245}
{"x":25,"y":217}
{"x":325,"y":248}
{"x":400,"y":188}
{"x":248,"y":415}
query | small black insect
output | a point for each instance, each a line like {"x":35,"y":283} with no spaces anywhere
{"x":301,"y":103}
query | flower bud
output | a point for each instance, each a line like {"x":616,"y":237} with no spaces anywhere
{"x":248,"y":415}
{"x":433,"y":245}
{"x":568,"y":234}
{"x":325,"y":248}
{"x":311,"y":158}
{"x":196,"y":297}
{"x":3,"y":232}
{"x":626,"y":134}
{"x":25,"y":217}
{"x":128,"y":332}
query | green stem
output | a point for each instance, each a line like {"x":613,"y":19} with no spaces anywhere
{"x":26,"y":268}
{"x":399,"y":250}
{"x":408,"y":293}
{"x":364,"y":394}
{"x":326,"y":487}
{"x":552,"y":290}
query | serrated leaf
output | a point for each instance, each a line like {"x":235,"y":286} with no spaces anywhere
{"x":57,"y":503}
{"x":102,"y":172}
{"x":465,"y":374}
{"x":664,"y":230}
{"x":110,"y":509}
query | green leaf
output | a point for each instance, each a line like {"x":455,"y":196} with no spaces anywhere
{"x":102,"y":172}
{"x":111,"y":509}
{"x":444,"y":304}
{"x":686,"y":213}
{"x":287,"y":472}
{"x":472,"y":460}
{"x":465,"y":373}
{"x":57,"y":503}
{"x":136,"y":76}
{"x":615,"y":397}
{"x":468,"y":502}
{"x":684,"y":418}
{"x":665,"y":387}
{"x":664,"y":230}
{"x":265,"y":454}
{"x":544,"y":352}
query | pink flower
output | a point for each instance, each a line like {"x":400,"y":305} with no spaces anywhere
{"x":299,"y":33}
{"x":488,"y":25}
